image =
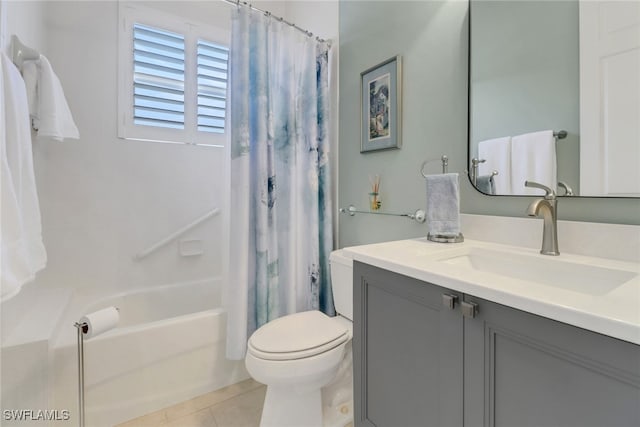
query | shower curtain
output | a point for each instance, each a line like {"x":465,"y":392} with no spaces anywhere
{"x":280,"y":210}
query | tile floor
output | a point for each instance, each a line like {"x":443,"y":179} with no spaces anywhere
{"x":239,"y":405}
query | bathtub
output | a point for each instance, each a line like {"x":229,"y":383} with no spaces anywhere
{"x":169,"y":347}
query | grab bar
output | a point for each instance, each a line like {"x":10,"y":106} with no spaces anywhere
{"x":160,"y":243}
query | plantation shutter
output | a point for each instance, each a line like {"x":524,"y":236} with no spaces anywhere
{"x":212,"y":64}
{"x":159,"y":77}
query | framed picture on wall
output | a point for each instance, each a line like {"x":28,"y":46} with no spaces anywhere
{"x":381,"y":102}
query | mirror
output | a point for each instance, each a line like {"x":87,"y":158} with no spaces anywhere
{"x":554,"y":97}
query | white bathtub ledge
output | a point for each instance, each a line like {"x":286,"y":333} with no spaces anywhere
{"x":40,"y":318}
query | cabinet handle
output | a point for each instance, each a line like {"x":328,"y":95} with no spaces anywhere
{"x":469,"y":309}
{"x":449,"y":301}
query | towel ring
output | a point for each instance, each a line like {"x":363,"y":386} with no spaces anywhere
{"x":445,"y":165}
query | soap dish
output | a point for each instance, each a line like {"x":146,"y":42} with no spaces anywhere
{"x":439,"y":238}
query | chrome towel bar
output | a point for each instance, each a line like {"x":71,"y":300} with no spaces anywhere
{"x":418,"y":216}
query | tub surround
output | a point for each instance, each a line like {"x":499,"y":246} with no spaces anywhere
{"x":613,"y":312}
{"x":156,"y":357}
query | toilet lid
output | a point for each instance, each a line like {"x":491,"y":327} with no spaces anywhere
{"x":297,"y":336}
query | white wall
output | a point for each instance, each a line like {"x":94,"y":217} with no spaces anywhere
{"x":26,"y":20}
{"x":102,"y":198}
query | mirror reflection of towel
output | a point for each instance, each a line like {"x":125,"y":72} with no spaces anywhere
{"x":497,"y":155}
{"x":485,"y":184}
{"x":533,"y":158}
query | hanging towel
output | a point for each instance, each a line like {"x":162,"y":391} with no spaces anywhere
{"x":50,"y":113}
{"x":23,"y":253}
{"x":497,"y":155}
{"x":30,"y":76}
{"x":533,"y":158}
{"x":485,"y":184}
{"x":443,"y":205}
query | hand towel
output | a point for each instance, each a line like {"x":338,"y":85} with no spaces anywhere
{"x":533,"y":158}
{"x":443,"y":205}
{"x":497,"y":155}
{"x":484,"y":183}
{"x":48,"y":106}
{"x":23,"y":253}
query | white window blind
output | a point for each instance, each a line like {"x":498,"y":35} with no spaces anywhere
{"x":172,"y":78}
{"x":212,"y":63}
{"x":158,"y":77}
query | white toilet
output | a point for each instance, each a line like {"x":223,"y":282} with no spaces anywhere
{"x":298,"y":354}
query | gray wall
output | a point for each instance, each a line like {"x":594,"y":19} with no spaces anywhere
{"x":432,"y":38}
{"x":530,"y":85}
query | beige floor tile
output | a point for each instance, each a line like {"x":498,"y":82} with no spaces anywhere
{"x":229,"y":392}
{"x":202,"y":418}
{"x":242,"y":411}
{"x":209,"y":399}
{"x":150,"y":420}
{"x":227,"y":400}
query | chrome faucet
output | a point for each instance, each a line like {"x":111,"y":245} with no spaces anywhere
{"x":548,"y":208}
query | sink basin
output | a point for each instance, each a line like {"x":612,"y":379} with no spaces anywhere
{"x":550,"y":271}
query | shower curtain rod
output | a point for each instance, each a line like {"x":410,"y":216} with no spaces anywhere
{"x":266,"y":12}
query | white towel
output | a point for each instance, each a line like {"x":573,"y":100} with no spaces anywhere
{"x":497,"y":153}
{"x":443,"y":205}
{"x":23,"y":253}
{"x":50,"y":113}
{"x":533,"y":158}
{"x":30,"y":75}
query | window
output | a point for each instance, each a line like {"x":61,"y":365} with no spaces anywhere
{"x":158,"y":78}
{"x":172,"y":79}
{"x":212,"y":62}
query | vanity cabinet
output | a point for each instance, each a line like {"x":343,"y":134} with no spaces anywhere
{"x":420,"y":360}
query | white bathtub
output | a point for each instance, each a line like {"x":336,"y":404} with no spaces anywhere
{"x":169,"y":347}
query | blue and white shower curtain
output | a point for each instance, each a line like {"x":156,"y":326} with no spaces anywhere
{"x":280,"y":210}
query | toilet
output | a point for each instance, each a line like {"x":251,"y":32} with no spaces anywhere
{"x":299,"y":354}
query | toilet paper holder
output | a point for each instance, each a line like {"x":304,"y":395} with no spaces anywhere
{"x":82,"y":328}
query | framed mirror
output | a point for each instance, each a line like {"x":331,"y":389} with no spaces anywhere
{"x":554,"y":97}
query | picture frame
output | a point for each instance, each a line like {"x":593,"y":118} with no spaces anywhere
{"x":381,"y":105}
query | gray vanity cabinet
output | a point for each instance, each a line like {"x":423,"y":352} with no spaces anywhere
{"x":525,"y":370}
{"x":418,"y":362}
{"x":407,"y":350}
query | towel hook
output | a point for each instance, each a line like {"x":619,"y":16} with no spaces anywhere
{"x":21,"y":52}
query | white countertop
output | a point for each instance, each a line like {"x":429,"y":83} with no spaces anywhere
{"x":615,"y":313}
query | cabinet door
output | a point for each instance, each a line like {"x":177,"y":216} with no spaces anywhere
{"x":525,"y":370}
{"x":407,"y":350}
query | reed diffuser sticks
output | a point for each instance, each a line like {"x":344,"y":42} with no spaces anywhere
{"x":374,"y":195}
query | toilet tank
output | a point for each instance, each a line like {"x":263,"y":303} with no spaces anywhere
{"x":342,"y":283}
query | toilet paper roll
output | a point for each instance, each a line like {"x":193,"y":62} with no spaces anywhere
{"x":100,"y":321}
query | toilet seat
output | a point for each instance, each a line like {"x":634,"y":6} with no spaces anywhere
{"x":297,"y":336}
